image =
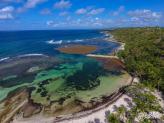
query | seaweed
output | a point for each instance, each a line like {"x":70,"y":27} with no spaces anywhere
{"x":87,"y":78}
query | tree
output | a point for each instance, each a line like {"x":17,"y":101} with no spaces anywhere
{"x":143,"y":54}
{"x":121,"y":112}
{"x":113,"y":118}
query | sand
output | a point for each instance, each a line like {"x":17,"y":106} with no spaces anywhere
{"x":101,"y":114}
{"x":98,"y":115}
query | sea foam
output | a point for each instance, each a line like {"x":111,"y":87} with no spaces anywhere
{"x":20,"y":56}
{"x":3,"y":59}
{"x":65,"y":41}
{"x":34,"y":54}
{"x":55,"y":42}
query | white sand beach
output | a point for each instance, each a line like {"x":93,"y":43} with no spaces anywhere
{"x":99,"y":115}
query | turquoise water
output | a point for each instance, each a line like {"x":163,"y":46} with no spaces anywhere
{"x":54,"y":77}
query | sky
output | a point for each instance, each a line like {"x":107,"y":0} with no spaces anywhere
{"x":79,"y":14}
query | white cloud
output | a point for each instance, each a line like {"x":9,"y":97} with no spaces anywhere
{"x":97,"y":18}
{"x":120,"y":10}
{"x":90,"y":11}
{"x":30,"y":4}
{"x":81,"y":11}
{"x":96,"y":11}
{"x":62,"y":4}
{"x":7,"y":9}
{"x":63,"y":13}
{"x":6,"y":12}
{"x":33,"y":3}
{"x":11,"y":1}
{"x":145,"y":15}
{"x":87,"y":22}
{"x":134,"y":19}
{"x":49,"y":22}
{"x":6,"y":16}
{"x":45,"y":12}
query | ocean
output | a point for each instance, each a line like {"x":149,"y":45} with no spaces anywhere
{"x":15,"y":43}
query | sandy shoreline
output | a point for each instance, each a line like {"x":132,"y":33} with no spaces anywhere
{"x":115,"y":100}
{"x":98,"y":113}
{"x":100,"y":110}
{"x":111,"y":39}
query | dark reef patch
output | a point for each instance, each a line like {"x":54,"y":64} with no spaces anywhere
{"x":24,"y":69}
{"x":87,"y":78}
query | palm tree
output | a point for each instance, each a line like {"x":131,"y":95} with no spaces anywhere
{"x":145,"y":121}
{"x":121,"y":112}
{"x":113,"y":118}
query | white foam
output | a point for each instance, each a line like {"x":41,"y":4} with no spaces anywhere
{"x":55,"y":42}
{"x":3,"y":59}
{"x":78,"y":40}
{"x":107,"y":35}
{"x":34,"y":54}
{"x":69,"y":41}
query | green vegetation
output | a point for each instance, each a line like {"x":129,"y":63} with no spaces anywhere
{"x":143,"y":103}
{"x":113,"y":118}
{"x":143,"y":57}
{"x":143,"y":54}
{"x":144,"y":100}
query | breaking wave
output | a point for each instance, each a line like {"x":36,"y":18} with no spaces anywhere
{"x":65,"y":41}
{"x":3,"y":59}
{"x":55,"y":42}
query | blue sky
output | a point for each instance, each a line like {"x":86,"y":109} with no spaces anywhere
{"x":79,"y":14}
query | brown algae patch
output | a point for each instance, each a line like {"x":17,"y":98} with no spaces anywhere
{"x":77,"y":49}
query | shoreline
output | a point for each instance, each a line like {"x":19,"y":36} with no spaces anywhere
{"x":111,"y":100}
{"x":105,"y":103}
{"x":86,"y":114}
{"x":111,"y":38}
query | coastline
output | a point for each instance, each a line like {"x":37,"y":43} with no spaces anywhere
{"x":111,"y":38}
{"x":96,"y":113}
{"x":111,"y":100}
{"x":117,"y":98}
{"x":88,"y":114}
{"x":119,"y":94}
{"x":106,"y":102}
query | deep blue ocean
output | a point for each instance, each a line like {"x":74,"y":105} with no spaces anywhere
{"x":14,"y":43}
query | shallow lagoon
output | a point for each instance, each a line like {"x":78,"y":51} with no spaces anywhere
{"x":74,"y":81}
{"x":61,"y":83}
